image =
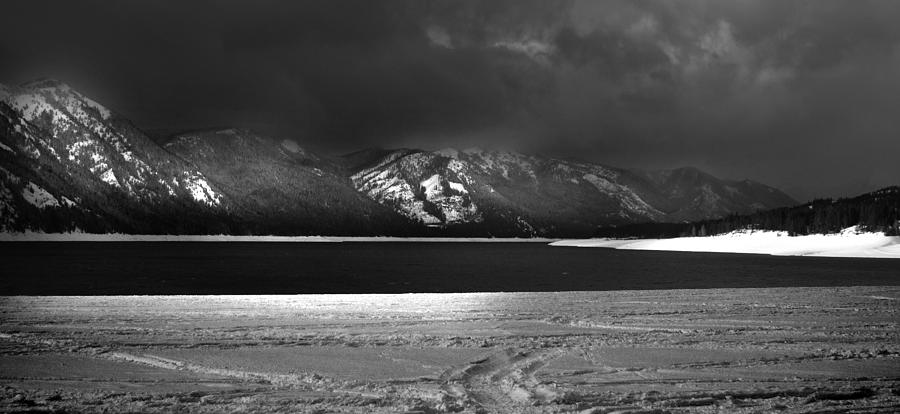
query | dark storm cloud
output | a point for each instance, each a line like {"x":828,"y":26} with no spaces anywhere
{"x":799,"y":94}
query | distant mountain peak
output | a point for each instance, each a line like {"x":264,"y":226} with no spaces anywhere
{"x":47,"y":94}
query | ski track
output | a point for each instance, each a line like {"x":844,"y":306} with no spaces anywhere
{"x":501,"y":382}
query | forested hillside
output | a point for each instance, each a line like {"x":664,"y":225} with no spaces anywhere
{"x":875,"y":211}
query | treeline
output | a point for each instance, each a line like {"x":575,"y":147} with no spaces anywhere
{"x":876,"y":211}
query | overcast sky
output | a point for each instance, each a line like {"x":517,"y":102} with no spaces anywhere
{"x":804,"y":95}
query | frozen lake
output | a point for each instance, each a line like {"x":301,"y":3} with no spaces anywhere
{"x":834,"y":349}
{"x":95,"y":268}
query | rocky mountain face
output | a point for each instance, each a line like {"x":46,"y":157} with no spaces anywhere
{"x":514,"y":194}
{"x":69,"y":164}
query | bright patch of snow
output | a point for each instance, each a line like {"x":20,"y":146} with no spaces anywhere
{"x":202,"y":192}
{"x":6,"y":148}
{"x":458,"y":187}
{"x":454,"y":207}
{"x":38,"y":197}
{"x":109,"y":177}
{"x":432,"y":186}
{"x":848,"y":243}
{"x":32,"y":105}
{"x":387,"y":184}
{"x":386,"y":187}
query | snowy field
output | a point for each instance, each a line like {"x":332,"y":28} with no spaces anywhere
{"x":733,"y":350}
{"x":848,"y":243}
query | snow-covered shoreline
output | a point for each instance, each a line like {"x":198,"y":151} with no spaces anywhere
{"x":848,"y":243}
{"x":118,"y":237}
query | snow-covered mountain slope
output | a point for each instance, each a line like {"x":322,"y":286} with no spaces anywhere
{"x":62,"y":140}
{"x":83,"y":134}
{"x":69,"y":163}
{"x":278,"y":187}
{"x":513,"y":193}
{"x":510,"y":193}
{"x":423,"y":186}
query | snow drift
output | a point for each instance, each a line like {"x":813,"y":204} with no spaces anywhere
{"x":848,"y":243}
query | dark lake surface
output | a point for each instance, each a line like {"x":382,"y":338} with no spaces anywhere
{"x":144,"y":268}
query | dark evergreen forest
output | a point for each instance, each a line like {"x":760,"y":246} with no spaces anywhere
{"x":875,"y":211}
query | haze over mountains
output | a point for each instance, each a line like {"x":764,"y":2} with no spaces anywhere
{"x":67,"y":163}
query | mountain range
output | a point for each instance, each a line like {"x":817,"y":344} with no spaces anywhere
{"x":67,"y":163}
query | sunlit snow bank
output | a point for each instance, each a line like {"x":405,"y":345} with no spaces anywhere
{"x":848,"y":243}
